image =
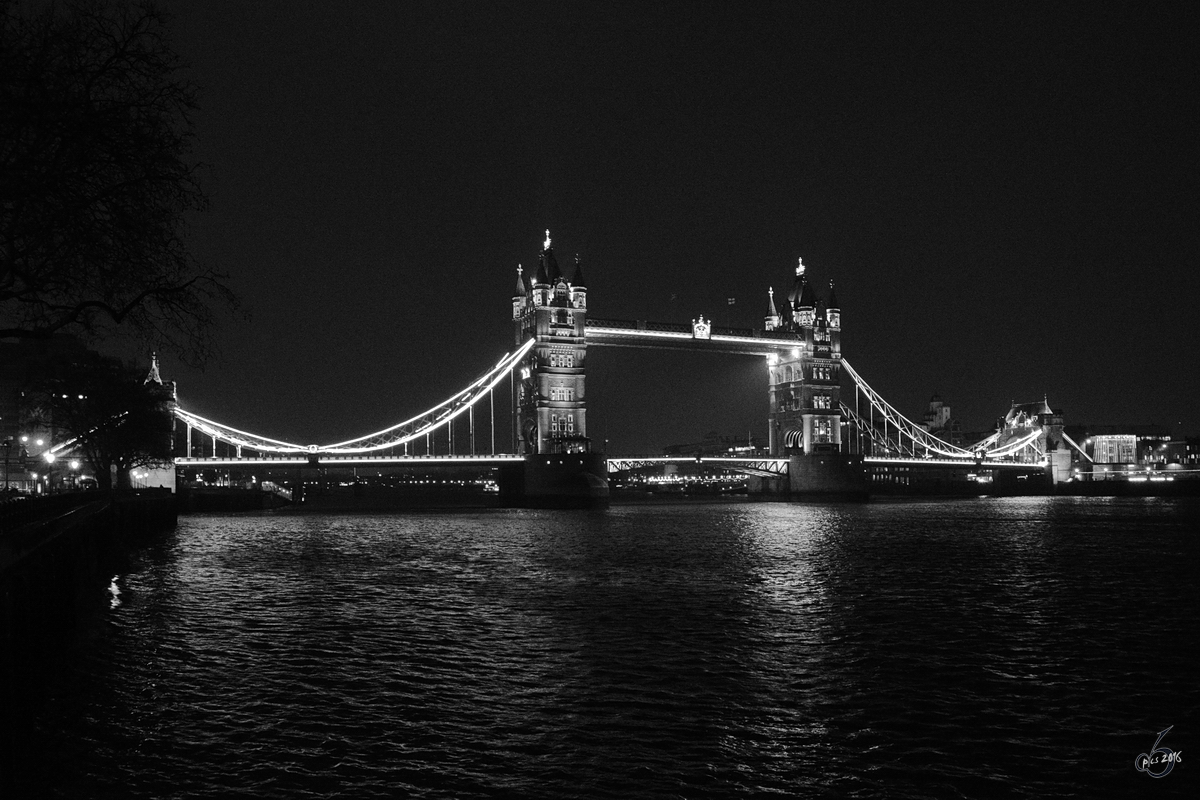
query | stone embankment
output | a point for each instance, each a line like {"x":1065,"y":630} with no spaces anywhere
{"x":58,"y":556}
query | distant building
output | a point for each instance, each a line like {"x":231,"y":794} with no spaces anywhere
{"x":941,"y":424}
{"x":1135,"y":445}
{"x":23,"y":363}
{"x":1182,"y":453}
{"x":1114,"y":449}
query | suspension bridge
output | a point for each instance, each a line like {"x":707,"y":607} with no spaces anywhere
{"x":828,"y":427}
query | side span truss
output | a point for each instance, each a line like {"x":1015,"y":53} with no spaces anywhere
{"x":910,"y":437}
{"x":417,"y":427}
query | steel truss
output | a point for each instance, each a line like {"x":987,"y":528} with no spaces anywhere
{"x":412,"y":429}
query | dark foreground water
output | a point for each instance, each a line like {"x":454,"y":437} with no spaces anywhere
{"x":1003,"y":647}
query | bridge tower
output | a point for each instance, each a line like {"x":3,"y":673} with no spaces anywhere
{"x":805,"y":395}
{"x":550,"y":407}
{"x":805,"y":382}
{"x":551,"y":403}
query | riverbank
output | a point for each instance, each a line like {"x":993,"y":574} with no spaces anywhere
{"x":54,"y":565}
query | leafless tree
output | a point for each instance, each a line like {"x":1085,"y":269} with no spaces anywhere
{"x":97,"y":179}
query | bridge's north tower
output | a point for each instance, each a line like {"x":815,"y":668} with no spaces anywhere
{"x":551,"y":402}
{"x":805,"y":393}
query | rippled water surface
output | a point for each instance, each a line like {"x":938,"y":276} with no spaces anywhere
{"x":1006,"y":647}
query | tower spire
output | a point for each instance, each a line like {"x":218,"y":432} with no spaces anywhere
{"x":152,"y":376}
{"x":578,"y":280}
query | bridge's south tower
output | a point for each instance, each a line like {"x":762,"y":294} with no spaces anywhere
{"x":551,"y":403}
{"x":805,"y":393}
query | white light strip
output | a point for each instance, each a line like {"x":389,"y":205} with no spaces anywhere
{"x":346,"y":460}
{"x":58,"y":448}
{"x":445,"y":412}
{"x":1012,"y":447}
{"x":985,"y":464}
{"x":630,"y":333}
{"x":908,"y":428}
{"x":1071,"y":442}
{"x":221,"y":431}
{"x":502,"y":366}
{"x":496,"y":376}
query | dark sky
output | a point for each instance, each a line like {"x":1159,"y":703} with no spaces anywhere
{"x":1002,"y":194}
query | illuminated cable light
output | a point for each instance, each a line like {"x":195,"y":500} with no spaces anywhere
{"x":488,"y":381}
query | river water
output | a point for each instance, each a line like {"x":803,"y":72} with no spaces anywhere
{"x":1025,"y":647}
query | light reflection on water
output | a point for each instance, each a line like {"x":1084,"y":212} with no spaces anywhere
{"x":908,"y":649}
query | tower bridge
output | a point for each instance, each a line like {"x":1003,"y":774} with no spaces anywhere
{"x":820,"y":442}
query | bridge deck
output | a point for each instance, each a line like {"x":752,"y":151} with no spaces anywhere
{"x":352,"y":461}
{"x":678,"y":336}
{"x":760,"y":466}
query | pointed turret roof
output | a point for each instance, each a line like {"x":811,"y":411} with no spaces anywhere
{"x":541,"y":278}
{"x":833,"y":301}
{"x":520,"y":283}
{"x":771,"y":312}
{"x":578,"y":282}
{"x":152,"y":376}
{"x":808,"y":297}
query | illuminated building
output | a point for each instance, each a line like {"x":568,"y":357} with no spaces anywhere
{"x":805,"y":382}
{"x":1118,"y":449}
{"x":550,"y":388}
{"x":941,"y":424}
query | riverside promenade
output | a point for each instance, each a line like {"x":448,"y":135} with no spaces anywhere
{"x":57,"y":555}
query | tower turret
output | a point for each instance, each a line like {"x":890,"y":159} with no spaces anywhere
{"x":152,"y":376}
{"x":834,"y":310}
{"x":578,"y":286}
{"x":519,"y":294}
{"x":805,"y":379}
{"x":806,"y":306}
{"x":551,"y":408}
{"x":771,"y":322}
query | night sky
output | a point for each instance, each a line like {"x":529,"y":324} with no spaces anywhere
{"x":1003,"y":196}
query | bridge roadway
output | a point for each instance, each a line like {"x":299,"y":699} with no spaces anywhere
{"x":766,"y":467}
{"x":679,"y":336}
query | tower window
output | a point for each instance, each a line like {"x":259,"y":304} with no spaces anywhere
{"x":562,"y":359}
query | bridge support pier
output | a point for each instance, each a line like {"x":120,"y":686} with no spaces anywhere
{"x":831,"y":476}
{"x":1058,"y":465}
{"x":556,"y":480}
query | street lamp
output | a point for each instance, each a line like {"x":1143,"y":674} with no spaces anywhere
{"x":50,"y":459}
{"x":7,"y":445}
